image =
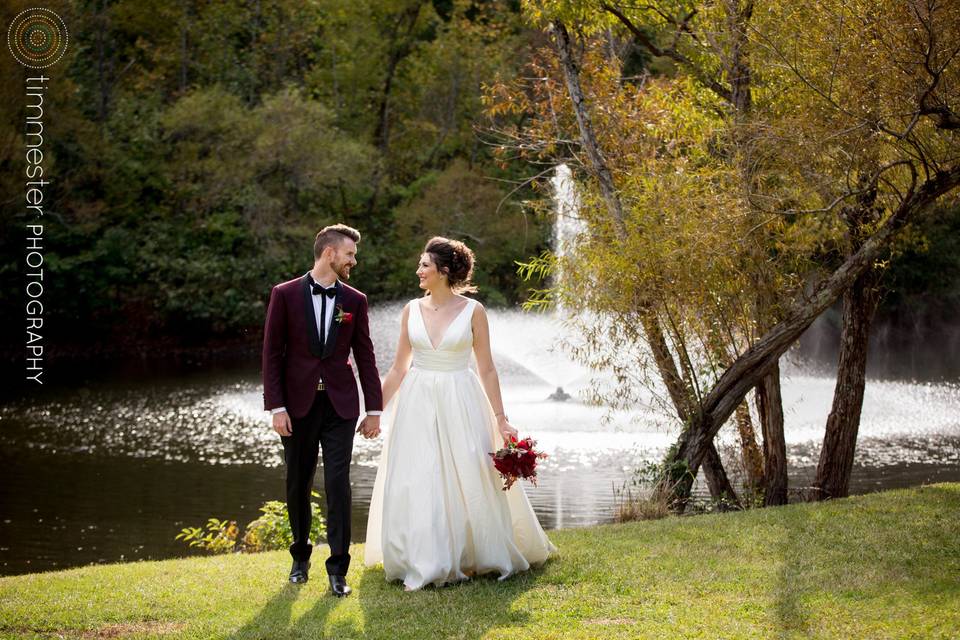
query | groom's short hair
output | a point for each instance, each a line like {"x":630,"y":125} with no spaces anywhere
{"x":332,"y":236}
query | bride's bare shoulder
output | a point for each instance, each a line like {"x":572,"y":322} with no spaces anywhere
{"x":478,"y":310}
{"x":415,"y":302}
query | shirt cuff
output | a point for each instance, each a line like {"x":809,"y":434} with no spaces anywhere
{"x":277,"y":410}
{"x":374,"y":413}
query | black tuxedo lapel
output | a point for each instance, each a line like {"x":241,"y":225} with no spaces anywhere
{"x":334,"y":325}
{"x":313,"y":337}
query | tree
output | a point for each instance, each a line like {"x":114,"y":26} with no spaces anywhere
{"x":829,"y":156}
{"x":197,"y":148}
{"x":661,"y":148}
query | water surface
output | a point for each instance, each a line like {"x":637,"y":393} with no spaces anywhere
{"x":110,"y":470}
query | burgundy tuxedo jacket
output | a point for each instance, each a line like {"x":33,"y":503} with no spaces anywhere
{"x":294,"y":360}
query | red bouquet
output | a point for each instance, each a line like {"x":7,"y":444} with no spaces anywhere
{"x":517,"y":460}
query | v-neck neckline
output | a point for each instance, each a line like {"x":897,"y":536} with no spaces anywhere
{"x":446,"y":329}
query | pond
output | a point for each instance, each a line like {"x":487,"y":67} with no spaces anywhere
{"x":111,"y":469}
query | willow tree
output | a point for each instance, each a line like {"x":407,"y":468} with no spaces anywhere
{"x":856,"y":130}
{"x":883,"y":124}
{"x":710,"y":45}
{"x":675,"y":275}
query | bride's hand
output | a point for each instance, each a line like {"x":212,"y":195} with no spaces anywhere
{"x":369,"y":427}
{"x":506,"y":429}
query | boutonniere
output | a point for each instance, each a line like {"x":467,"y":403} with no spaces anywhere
{"x":342,"y":316}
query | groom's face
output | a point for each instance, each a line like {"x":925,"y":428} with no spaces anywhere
{"x":344,"y":258}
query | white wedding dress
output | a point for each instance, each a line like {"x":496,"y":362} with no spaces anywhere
{"x":438,"y":512}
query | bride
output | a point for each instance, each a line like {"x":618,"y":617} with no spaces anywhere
{"x":438,"y":512}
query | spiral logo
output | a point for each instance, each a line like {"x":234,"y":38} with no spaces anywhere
{"x":37,"y":38}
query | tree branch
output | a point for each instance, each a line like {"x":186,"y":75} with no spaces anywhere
{"x":671,"y":52}
{"x":587,"y":136}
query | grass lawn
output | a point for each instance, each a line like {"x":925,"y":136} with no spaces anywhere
{"x":885,"y":565}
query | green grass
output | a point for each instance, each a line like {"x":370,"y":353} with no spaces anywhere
{"x":885,"y":565}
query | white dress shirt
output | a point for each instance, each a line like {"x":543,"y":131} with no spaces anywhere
{"x":327,"y":319}
{"x":325,"y":332}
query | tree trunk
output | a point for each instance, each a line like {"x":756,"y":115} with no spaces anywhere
{"x":680,"y":395}
{"x":770,"y":408}
{"x":750,"y":367}
{"x":721,"y":490}
{"x":843,"y":423}
{"x":859,"y":304}
{"x":400,"y":48}
{"x":103,"y":82}
{"x":738,"y":75}
{"x":185,"y":28}
{"x":750,"y":453}
{"x":587,"y":137}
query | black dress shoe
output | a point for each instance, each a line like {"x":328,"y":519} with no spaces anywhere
{"x":300,"y":571}
{"x":338,"y":586}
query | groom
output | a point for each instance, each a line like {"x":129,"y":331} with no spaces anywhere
{"x":308,"y":385}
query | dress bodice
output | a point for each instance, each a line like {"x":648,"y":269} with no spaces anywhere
{"x":453,"y":351}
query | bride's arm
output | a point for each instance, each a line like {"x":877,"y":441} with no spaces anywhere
{"x":487,"y":371}
{"x":401,"y":363}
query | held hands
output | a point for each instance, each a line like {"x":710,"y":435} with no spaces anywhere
{"x":281,"y":423}
{"x":369,"y":427}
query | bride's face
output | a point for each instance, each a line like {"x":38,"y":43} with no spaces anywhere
{"x":430,"y":278}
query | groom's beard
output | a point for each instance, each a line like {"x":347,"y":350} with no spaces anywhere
{"x":341,"y":270}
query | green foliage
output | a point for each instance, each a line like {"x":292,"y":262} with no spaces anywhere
{"x":538,"y":268}
{"x":199,"y":147}
{"x":924,"y":278}
{"x":270,"y":532}
{"x":272,"y":529}
{"x":220,"y":536}
{"x":462,"y":203}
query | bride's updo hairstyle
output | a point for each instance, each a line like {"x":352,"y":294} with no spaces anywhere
{"x":455,"y":259}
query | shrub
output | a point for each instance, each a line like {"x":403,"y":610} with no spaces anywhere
{"x":269,"y":532}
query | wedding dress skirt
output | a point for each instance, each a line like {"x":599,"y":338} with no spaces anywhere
{"x":438,"y":512}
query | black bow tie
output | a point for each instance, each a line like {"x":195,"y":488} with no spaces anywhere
{"x":319,"y":290}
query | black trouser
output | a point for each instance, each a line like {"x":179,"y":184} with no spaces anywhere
{"x":321,"y":429}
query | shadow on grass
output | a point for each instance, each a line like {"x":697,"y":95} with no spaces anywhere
{"x":465,"y":610}
{"x":903,"y":546}
{"x":792,"y":616}
{"x":275,"y":619}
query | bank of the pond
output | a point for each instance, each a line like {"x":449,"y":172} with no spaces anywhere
{"x":882,"y":565}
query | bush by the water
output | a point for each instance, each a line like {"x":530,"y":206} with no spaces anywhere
{"x":269,"y":532}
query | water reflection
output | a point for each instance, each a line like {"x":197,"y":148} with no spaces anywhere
{"x":113,"y":470}
{"x":80,"y":509}
{"x":218,"y":423}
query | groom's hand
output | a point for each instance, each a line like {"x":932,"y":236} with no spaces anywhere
{"x":281,"y":423}
{"x":369,"y":427}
